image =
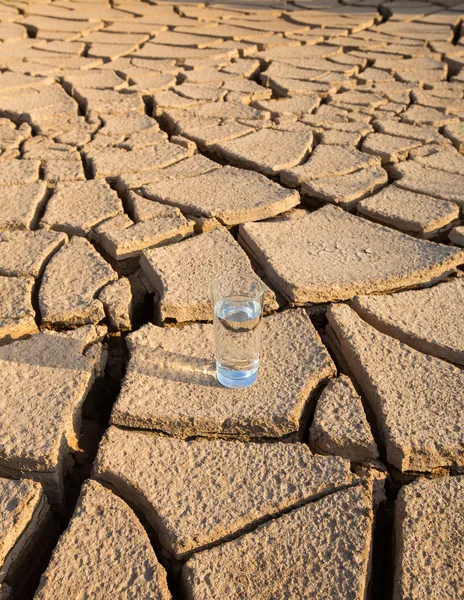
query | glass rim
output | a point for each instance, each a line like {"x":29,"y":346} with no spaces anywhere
{"x":252,"y":278}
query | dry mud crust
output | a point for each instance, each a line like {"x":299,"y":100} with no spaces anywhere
{"x":189,"y":167}
{"x":25,"y":253}
{"x":456,"y":236}
{"x":411,"y":175}
{"x":171,"y":384}
{"x":268,"y":150}
{"x":334,"y":101}
{"x":346,"y":190}
{"x":26,"y":530}
{"x":196,"y":493}
{"x":112,"y":162}
{"x":429,"y":531}
{"x":104,"y":550}
{"x":293,"y":556}
{"x":76,"y":207}
{"x":45,"y":380}
{"x":231,"y":195}
{"x":429,"y":320}
{"x":70,"y":283}
{"x":181,"y":274}
{"x":20,"y":205}
{"x":17,"y":316}
{"x":18,"y":172}
{"x":389,"y":148}
{"x":308,"y":261}
{"x":340,"y":426}
{"x":130,"y":242}
{"x":413,"y":213}
{"x":416,"y":398}
{"x":328,"y":161}
{"x":118,"y":304}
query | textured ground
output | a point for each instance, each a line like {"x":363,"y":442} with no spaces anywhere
{"x":144,"y":150}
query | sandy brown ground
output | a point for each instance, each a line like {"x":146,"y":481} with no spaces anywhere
{"x":146,"y":148}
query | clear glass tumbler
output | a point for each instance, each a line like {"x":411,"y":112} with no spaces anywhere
{"x":237,"y":311}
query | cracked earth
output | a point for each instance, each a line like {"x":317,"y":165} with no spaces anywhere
{"x":146,"y":149}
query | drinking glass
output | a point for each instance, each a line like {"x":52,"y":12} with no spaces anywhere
{"x":237,"y":311}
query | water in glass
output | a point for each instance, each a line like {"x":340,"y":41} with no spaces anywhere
{"x":237,"y":320}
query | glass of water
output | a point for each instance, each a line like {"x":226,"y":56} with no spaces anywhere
{"x":237,"y":311}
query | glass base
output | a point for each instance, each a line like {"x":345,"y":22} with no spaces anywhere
{"x":236,"y":379}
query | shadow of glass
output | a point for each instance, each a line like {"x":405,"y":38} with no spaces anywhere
{"x":156,"y":362}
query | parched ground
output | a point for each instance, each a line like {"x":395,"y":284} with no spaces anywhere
{"x":144,"y":150}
